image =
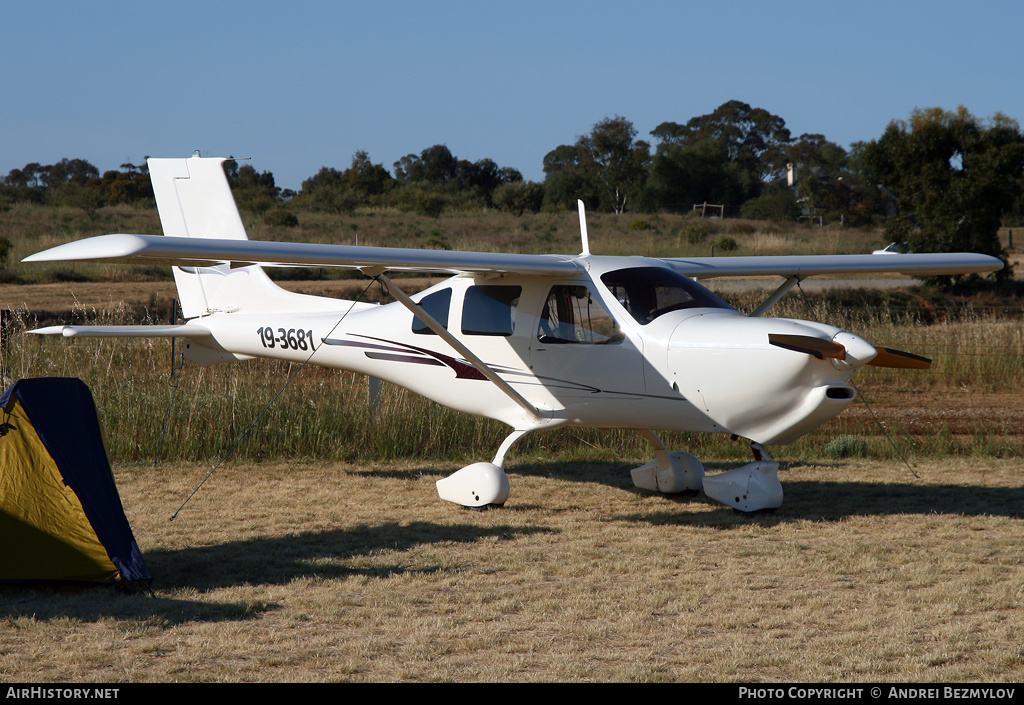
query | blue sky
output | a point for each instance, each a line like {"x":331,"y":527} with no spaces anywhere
{"x":298,"y":85}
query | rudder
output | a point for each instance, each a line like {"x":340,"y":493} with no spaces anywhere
{"x":194,"y":200}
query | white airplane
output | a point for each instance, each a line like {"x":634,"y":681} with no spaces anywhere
{"x":534,"y":341}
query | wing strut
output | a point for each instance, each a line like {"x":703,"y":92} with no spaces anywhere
{"x":446,"y":336}
{"x":774,"y":298}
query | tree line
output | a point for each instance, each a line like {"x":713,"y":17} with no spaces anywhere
{"x":941,"y":180}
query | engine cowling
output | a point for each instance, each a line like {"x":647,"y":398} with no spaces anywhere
{"x":766,"y":379}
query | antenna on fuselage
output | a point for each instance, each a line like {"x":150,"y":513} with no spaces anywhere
{"x":583,"y":229}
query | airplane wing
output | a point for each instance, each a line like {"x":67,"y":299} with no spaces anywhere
{"x":803,"y":266}
{"x":196,"y":252}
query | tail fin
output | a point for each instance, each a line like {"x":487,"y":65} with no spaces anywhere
{"x":194,"y":200}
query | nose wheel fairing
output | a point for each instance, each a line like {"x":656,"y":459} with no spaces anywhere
{"x":750,"y":488}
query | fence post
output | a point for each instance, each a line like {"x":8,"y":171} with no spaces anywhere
{"x":373,"y":395}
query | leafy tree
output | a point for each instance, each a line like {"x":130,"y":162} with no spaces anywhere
{"x":519,"y":197}
{"x":568,"y":177}
{"x":776,"y":203}
{"x":248,"y":179}
{"x":434,"y":165}
{"x":23,"y":185}
{"x":326,"y":178}
{"x":340,"y":199}
{"x":830,"y":181}
{"x":253,"y":191}
{"x":69,"y":171}
{"x":483,"y":177}
{"x":231,"y":171}
{"x":65,"y":184}
{"x":697,"y":173}
{"x":954,"y":177}
{"x":608,"y":166}
{"x":428,"y":199}
{"x":77,"y":183}
{"x":128,"y":186}
{"x":461,"y":180}
{"x":753,"y":138}
{"x":621,"y":161}
{"x":809,"y":152}
{"x":367,"y":178}
{"x":335,"y":191}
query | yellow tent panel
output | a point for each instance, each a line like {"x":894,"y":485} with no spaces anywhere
{"x":60,"y":515}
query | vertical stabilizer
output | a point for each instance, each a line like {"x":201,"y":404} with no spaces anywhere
{"x":194,"y":200}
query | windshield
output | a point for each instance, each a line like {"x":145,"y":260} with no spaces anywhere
{"x":649,"y":292}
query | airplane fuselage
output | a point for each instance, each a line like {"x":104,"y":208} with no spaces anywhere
{"x":586,"y":350}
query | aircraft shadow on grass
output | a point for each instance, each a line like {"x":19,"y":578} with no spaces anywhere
{"x":809,"y":499}
{"x":275,"y":560}
{"x":320,"y":554}
{"x":43,"y":603}
{"x":806,"y":499}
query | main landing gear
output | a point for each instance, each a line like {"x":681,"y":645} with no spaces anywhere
{"x":749,"y":488}
{"x":481,"y":485}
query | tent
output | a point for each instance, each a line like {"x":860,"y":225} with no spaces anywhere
{"x":60,"y":514}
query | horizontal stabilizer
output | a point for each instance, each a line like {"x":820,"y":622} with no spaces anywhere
{"x":188,"y":330}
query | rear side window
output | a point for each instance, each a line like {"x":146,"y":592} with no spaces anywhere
{"x":437,"y":305}
{"x":490,"y":310}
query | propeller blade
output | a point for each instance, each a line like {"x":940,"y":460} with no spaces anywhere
{"x":887,"y":357}
{"x":809,"y":345}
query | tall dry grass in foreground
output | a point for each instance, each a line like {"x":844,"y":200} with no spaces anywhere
{"x":199,"y":414}
{"x":338,"y":572}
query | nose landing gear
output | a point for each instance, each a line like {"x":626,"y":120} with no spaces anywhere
{"x":749,"y":488}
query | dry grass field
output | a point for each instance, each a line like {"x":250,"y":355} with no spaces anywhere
{"x":320,"y":551}
{"x":331,"y":572}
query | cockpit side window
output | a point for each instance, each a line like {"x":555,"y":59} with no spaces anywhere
{"x":490,"y":310}
{"x":572,"y":314}
{"x":649,"y":292}
{"x":437,"y":305}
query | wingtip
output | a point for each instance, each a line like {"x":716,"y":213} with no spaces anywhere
{"x":117,"y":245}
